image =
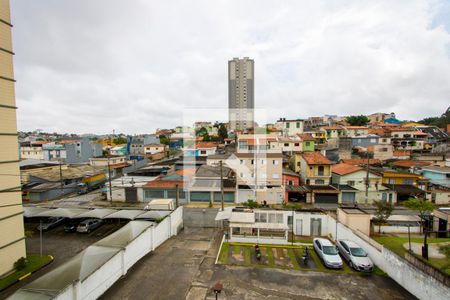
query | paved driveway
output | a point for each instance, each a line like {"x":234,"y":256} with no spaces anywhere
{"x":183,"y":268}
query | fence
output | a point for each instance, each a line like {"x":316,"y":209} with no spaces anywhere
{"x":89,"y":274}
{"x":418,"y":283}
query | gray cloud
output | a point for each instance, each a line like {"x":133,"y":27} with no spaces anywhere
{"x":133,"y":66}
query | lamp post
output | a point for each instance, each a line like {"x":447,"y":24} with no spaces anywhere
{"x":217,"y":288}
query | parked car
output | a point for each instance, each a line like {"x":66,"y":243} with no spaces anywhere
{"x":356,"y":257}
{"x":88,"y":225}
{"x":72,"y":225}
{"x":328,"y":253}
{"x":50,"y":223}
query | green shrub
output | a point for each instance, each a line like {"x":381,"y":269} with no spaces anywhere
{"x":251,"y":204}
{"x":20,"y":264}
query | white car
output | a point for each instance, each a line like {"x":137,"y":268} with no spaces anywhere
{"x":328,"y":253}
{"x":355,"y":255}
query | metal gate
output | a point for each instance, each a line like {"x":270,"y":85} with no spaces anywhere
{"x":131,"y":194}
{"x":348,"y":198}
{"x":325,"y":198}
{"x":316,"y":227}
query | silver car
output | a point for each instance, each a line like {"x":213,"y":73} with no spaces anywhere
{"x":328,"y":253}
{"x":88,"y":225}
{"x":356,"y":257}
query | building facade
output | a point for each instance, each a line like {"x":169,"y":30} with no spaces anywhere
{"x":241,"y":93}
{"x":12,"y":238}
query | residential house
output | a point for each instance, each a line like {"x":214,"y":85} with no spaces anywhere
{"x":31,"y":150}
{"x":407,"y":139}
{"x":376,"y":118}
{"x":129,"y":188}
{"x":205,"y":185}
{"x":201,"y":149}
{"x":333,"y":132}
{"x":289,"y":144}
{"x":156,"y":151}
{"x":258,"y":176}
{"x":354,"y":131}
{"x":137,"y":143}
{"x":307,"y":142}
{"x":320,"y":138}
{"x":439,"y":195}
{"x":436,"y":159}
{"x":105,"y":161}
{"x":441,"y":221}
{"x":434,"y":135}
{"x":439,"y":176}
{"x":315,"y":172}
{"x":290,"y":127}
{"x":71,"y":151}
{"x":290,"y":180}
{"x":401,"y":154}
{"x":262,"y":143}
{"x":381,"y":151}
{"x":365,"y":141}
{"x":356,"y":177}
{"x":119,"y":150}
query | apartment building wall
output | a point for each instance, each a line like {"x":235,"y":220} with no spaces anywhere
{"x":31,"y":152}
{"x":12,"y":239}
{"x":241,"y":99}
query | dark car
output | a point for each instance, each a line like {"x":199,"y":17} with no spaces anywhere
{"x":50,"y":223}
{"x":72,"y":225}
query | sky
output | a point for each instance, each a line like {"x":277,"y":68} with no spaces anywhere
{"x":134,"y":66}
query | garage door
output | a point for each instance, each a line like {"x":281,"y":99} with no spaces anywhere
{"x":326,"y":198}
{"x":348,"y":198}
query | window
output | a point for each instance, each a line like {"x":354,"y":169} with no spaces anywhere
{"x":275,"y":162}
{"x":203,"y":152}
{"x":408,"y":181}
{"x":242,"y":175}
{"x":286,"y":144}
{"x":252,"y":161}
{"x":320,"y":181}
{"x":241,"y":162}
{"x":307,"y":144}
{"x":433,"y":197}
{"x":391,"y":181}
{"x":298,"y":124}
{"x":290,"y":182}
{"x":351,"y":183}
{"x":260,"y":217}
{"x":373,"y":140}
{"x":262,"y":161}
{"x":320,"y":171}
{"x":287,"y":125}
{"x":296,"y":144}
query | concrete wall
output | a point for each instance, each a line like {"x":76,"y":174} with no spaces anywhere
{"x":414,"y":280}
{"x":104,"y":277}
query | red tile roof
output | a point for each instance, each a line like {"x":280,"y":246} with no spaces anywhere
{"x":410,"y":163}
{"x":306,"y":137}
{"x":359,"y":161}
{"x":401,"y":153}
{"x":187,"y":172}
{"x":356,"y":127}
{"x":315,"y":158}
{"x":164,"y":184}
{"x":202,"y":145}
{"x":119,"y":166}
{"x":332,"y":127}
{"x":344,"y":169}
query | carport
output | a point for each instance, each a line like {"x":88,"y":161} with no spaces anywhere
{"x":98,"y":213}
{"x":32,"y":211}
{"x":153,"y":215}
{"x":63,"y":212}
{"x":324,"y":194}
{"x":125,"y":235}
{"x":130,"y":214}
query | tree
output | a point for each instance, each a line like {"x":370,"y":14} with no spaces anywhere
{"x":120,"y":140}
{"x":383,"y":211}
{"x":203,"y":132}
{"x":164,"y":140}
{"x":357,"y":120}
{"x":223,"y":133}
{"x":422,"y":206}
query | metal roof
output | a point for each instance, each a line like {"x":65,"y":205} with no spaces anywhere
{"x":125,"y":214}
{"x":125,"y":235}
{"x":62,"y":212}
{"x":98,"y":213}
{"x":154,"y":214}
{"x":32,"y":211}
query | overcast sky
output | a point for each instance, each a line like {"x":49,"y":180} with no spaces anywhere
{"x":93,"y":66}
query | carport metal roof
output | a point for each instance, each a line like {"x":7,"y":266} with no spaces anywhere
{"x":32,"y":211}
{"x":125,"y":214}
{"x":62,"y":212}
{"x":79,"y":267}
{"x":154,"y":214}
{"x":98,"y":213}
{"x":125,"y":235}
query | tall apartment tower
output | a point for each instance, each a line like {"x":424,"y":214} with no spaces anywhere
{"x":241,"y":93}
{"x":12,"y":238}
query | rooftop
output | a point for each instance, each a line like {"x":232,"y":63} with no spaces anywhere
{"x":344,"y":169}
{"x":316,"y":158}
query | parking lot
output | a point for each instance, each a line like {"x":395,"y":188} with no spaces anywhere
{"x":184,"y":268}
{"x":60,"y":245}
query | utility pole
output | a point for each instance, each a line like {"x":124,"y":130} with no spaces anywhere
{"x":177,"y":197}
{"x":60,"y":176}
{"x":366,"y":198}
{"x":221,"y":184}
{"x":109,"y":179}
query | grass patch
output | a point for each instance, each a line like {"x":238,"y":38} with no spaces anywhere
{"x":223,"y":256}
{"x":35,"y":262}
{"x":236,"y":249}
{"x":293,"y":259}
{"x":396,"y":245}
{"x":248,"y":259}
{"x":270,"y":256}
